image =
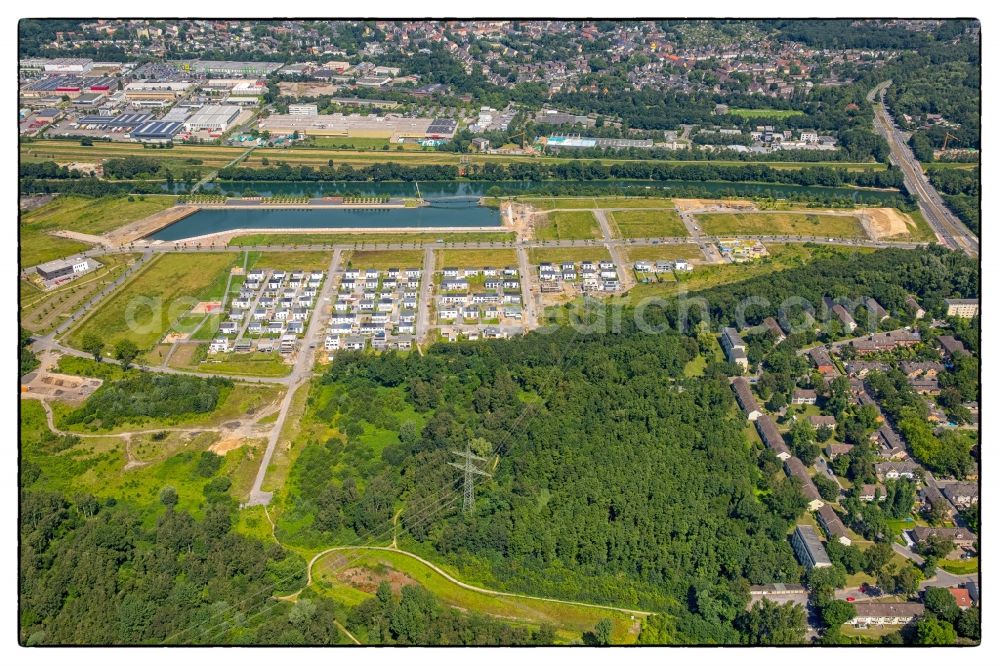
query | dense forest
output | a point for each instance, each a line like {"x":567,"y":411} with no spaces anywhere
{"x":584,"y":494}
{"x":616,"y":480}
{"x":93,"y":573}
{"x":575,"y":170}
{"x":146,"y":394}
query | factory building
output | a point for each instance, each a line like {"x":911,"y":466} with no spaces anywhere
{"x":212,"y":118}
{"x":156,"y":132}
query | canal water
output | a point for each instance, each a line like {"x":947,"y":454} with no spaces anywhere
{"x":209,"y":221}
{"x":452,"y":203}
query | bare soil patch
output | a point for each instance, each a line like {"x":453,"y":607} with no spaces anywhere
{"x":685,"y":205}
{"x":367,"y":580}
{"x":885,"y":222}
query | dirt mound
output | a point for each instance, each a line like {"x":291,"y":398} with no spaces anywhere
{"x":684,"y":205}
{"x":886,"y":222}
{"x":368,"y":580}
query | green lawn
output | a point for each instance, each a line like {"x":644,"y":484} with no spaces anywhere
{"x":782,"y":256}
{"x":961,"y":567}
{"x":575,"y":618}
{"x":167,"y":288}
{"x":920,"y":231}
{"x":565,"y":225}
{"x":253,"y":364}
{"x":663,"y":251}
{"x":781,"y":224}
{"x":476,"y":258}
{"x":383,"y":259}
{"x":82,"y":214}
{"x":537,"y":255}
{"x":97,"y":465}
{"x":306,"y":260}
{"x":647,"y":223}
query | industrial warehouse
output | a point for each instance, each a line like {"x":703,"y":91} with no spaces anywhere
{"x":392,"y":127}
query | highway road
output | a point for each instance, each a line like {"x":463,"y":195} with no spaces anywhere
{"x":946,"y":225}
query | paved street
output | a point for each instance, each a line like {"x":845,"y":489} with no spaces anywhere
{"x":946,"y":225}
{"x":300,"y":374}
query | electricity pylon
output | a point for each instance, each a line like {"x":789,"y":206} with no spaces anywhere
{"x":470,"y":470}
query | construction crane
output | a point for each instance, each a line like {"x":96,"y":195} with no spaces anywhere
{"x":947,"y":135}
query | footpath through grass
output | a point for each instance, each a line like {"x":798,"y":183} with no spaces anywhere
{"x":145,"y":308}
{"x":574,"y":619}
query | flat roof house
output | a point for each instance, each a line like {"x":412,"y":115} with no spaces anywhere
{"x":735,"y":347}
{"x":808,"y":548}
{"x":964,"y":308}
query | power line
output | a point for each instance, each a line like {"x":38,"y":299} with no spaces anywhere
{"x":470,"y":470}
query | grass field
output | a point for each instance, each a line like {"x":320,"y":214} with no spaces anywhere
{"x":537,"y":255}
{"x":97,"y":465}
{"x":781,"y":224}
{"x":165,"y":289}
{"x":961,"y":567}
{"x":920,"y":231}
{"x":663,"y":252}
{"x":647,"y":223}
{"x":178,"y":159}
{"x":82,"y":214}
{"x":573,"y":619}
{"x":306,"y":260}
{"x":240,"y":401}
{"x":382,"y":259}
{"x":566,"y":225}
{"x":253,"y":364}
{"x":363,"y":238}
{"x":782,"y":256}
{"x":43,"y":311}
{"x":475,"y":258}
{"x":766,"y":113}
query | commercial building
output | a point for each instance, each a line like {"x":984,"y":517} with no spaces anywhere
{"x":68,"y":66}
{"x":303,"y":110}
{"x":397,"y":128}
{"x":231,"y":68}
{"x":964,"y":308}
{"x":212,"y":118}
{"x":59,"y":268}
{"x":808,"y":548}
{"x":156,"y":131}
